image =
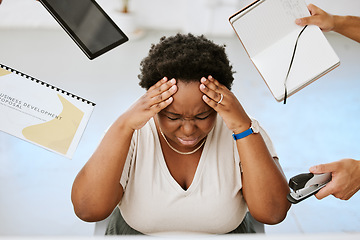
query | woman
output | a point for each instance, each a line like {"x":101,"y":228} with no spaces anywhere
{"x":170,"y":162}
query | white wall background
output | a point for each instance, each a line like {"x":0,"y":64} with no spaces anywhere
{"x":197,"y":16}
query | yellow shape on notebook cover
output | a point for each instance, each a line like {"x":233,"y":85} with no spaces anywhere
{"x":57,"y":134}
{"x":4,"y":72}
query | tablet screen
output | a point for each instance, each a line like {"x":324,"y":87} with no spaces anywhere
{"x":88,"y":24}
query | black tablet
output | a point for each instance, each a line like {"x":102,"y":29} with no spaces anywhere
{"x":87,"y":24}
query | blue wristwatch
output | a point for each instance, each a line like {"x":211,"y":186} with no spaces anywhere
{"x":254,"y":128}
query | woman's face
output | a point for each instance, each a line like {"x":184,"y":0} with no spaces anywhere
{"x":188,"y":119}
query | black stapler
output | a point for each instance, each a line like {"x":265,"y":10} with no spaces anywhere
{"x":306,"y":185}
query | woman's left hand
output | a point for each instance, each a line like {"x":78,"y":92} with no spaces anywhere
{"x":268,"y":205}
{"x":223,"y":101}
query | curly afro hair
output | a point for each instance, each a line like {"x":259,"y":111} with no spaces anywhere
{"x":185,"y":57}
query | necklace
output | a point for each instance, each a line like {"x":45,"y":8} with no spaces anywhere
{"x":179,"y":152}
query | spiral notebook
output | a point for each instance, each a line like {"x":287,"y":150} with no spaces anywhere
{"x":41,"y":113}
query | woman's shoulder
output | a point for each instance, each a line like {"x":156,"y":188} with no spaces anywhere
{"x":147,"y":132}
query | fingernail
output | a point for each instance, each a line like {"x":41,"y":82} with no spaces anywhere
{"x":173,"y":80}
{"x":203,"y":79}
{"x":210,"y":77}
{"x":312,"y":169}
{"x":298,"y":21}
{"x":202,"y":86}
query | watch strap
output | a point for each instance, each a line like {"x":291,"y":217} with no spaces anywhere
{"x":242,"y":134}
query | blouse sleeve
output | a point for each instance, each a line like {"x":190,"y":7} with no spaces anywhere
{"x":131,"y":153}
{"x":129,"y":160}
{"x":270,"y":147}
{"x":268,"y":142}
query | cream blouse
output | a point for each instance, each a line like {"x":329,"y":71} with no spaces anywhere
{"x":154,"y":203}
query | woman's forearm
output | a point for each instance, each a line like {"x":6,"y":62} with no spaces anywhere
{"x":97,"y":190}
{"x":264,"y":186}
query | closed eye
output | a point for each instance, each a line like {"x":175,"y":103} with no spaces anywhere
{"x":203,"y":115}
{"x":173,"y":118}
{"x":202,"y":118}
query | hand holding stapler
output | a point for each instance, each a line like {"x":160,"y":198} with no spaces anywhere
{"x":306,"y":185}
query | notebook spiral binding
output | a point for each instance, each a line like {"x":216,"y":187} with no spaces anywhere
{"x":46,"y":84}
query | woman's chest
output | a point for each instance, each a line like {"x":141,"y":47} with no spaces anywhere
{"x":182,"y":168}
{"x":156,"y":202}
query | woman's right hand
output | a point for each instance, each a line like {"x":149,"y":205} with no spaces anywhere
{"x":158,"y":97}
{"x":97,"y":189}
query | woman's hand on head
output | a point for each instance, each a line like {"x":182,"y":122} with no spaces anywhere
{"x":224,"y":102}
{"x":158,"y":97}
